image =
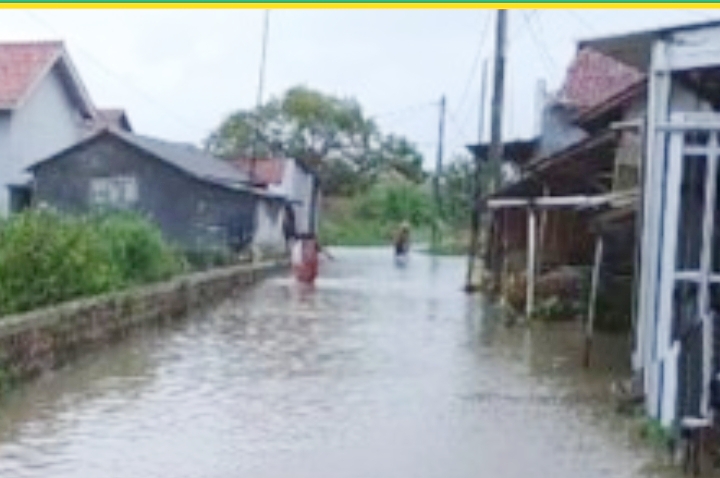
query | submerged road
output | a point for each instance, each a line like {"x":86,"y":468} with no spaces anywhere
{"x":377,"y":372}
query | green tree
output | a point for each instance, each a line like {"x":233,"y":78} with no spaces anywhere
{"x":456,"y":189}
{"x":328,"y":133}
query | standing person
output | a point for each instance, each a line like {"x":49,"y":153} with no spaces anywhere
{"x":402,"y":240}
{"x":304,"y":258}
{"x":288,"y":226}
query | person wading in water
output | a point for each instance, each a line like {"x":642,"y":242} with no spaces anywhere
{"x":402,"y":240}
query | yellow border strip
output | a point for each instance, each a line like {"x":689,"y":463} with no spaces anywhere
{"x":348,"y":5}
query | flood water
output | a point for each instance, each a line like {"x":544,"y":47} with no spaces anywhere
{"x":378,"y":371}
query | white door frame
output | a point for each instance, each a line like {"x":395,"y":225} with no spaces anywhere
{"x":669,"y":274}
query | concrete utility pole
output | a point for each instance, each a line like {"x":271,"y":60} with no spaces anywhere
{"x":438,"y":171}
{"x":476,"y":186}
{"x":496,"y":145}
{"x":495,"y":155}
{"x":261,"y":84}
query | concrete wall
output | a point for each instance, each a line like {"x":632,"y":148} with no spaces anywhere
{"x":7,"y":165}
{"x":269,"y":239}
{"x":43,"y":125}
{"x":191,"y":213}
{"x":298,"y":185}
{"x":34,"y":342}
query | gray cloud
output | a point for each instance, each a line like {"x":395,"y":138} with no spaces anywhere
{"x":179,"y":72}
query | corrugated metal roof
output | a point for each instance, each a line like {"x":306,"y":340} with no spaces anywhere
{"x":183,"y":156}
{"x":189,"y":158}
{"x":634,"y":48}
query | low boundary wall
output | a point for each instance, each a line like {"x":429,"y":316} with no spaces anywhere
{"x":43,"y":339}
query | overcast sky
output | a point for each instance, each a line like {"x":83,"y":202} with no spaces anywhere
{"x":178,"y":73}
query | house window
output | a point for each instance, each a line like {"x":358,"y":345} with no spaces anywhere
{"x":116,"y":192}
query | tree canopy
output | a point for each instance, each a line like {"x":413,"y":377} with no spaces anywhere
{"x":328,"y":133}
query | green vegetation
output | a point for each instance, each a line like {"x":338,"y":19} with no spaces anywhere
{"x":331,"y":134}
{"x":656,"y":435}
{"x":371,"y":180}
{"x":373,"y":218}
{"x":46,"y":257}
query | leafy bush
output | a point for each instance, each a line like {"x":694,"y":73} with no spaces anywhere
{"x":555,"y":308}
{"x":396,"y":203}
{"x":372,"y":218}
{"x":137,"y":248}
{"x":46,"y":257}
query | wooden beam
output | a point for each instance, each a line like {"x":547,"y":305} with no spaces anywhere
{"x":551,"y":201}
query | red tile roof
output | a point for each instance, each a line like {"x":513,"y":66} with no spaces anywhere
{"x":593,"y":78}
{"x":267,"y":171}
{"x":21,"y":64}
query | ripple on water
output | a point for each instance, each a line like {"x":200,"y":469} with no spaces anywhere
{"x":376,"y":371}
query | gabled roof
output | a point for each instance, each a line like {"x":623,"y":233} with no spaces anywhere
{"x":267,"y":171}
{"x":183,"y":156}
{"x":518,"y":150}
{"x":188,"y":158}
{"x":593,"y":78}
{"x":24,"y":64}
{"x":114,"y":117}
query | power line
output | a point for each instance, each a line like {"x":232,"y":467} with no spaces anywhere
{"x":458,"y":132}
{"x":548,"y":60}
{"x":404,"y":110}
{"x":580,"y":19}
{"x":512,"y":37}
{"x":121,"y":78}
{"x":475,"y":62}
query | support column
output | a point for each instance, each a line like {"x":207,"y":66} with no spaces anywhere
{"x":592,"y":301}
{"x":531,"y":262}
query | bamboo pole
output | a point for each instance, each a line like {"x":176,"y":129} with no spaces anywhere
{"x":590,"y":323}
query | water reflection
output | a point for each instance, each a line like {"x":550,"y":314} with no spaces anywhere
{"x":376,"y":371}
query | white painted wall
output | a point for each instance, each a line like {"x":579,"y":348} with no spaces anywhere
{"x":43,"y":125}
{"x":7,"y":165}
{"x":269,"y":239}
{"x":297,"y":185}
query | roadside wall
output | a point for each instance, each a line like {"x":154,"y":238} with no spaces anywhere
{"x":43,"y":339}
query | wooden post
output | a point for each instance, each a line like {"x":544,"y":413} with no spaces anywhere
{"x":543,"y":231}
{"x":438,"y":174}
{"x":531,"y":262}
{"x":590,"y":323}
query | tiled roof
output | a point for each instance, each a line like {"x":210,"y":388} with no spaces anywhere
{"x":593,"y":78}
{"x":21,"y":65}
{"x":267,"y":171}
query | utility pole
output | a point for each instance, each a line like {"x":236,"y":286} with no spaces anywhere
{"x":261,"y":84}
{"x":477,"y":193}
{"x":496,"y":146}
{"x":438,"y":173}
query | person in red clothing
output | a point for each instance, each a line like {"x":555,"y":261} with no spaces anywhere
{"x":306,"y":258}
